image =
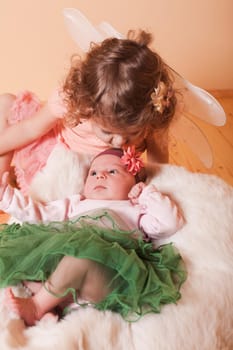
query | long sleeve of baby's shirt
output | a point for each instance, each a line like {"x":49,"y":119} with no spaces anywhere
{"x":159,"y":215}
{"x":25,"y":209}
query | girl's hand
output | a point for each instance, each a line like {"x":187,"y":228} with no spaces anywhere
{"x":135,"y":192}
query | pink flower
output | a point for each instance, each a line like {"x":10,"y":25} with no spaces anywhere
{"x":132,"y":161}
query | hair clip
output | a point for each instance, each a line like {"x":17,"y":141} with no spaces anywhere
{"x":161,"y":97}
{"x":132,"y":161}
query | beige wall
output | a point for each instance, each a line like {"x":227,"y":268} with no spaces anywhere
{"x":194,"y":36}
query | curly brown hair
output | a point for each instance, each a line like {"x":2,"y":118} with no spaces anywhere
{"x":114,"y":84}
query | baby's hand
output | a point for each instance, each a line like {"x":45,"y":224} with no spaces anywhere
{"x":135,"y":192}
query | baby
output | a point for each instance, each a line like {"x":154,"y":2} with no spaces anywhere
{"x":111,"y":268}
{"x":110,"y":185}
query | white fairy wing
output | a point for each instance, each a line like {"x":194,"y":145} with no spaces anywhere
{"x":80,"y":29}
{"x":108,"y":31}
{"x":193,"y":100}
{"x":83,"y":32}
{"x":198,"y":102}
{"x":190,"y":134}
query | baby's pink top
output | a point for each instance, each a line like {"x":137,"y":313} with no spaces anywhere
{"x":155,"y":214}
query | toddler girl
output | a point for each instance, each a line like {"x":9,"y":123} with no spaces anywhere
{"x":120,"y":94}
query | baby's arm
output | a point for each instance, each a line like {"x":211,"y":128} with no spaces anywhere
{"x":25,"y":209}
{"x":160,"y":216}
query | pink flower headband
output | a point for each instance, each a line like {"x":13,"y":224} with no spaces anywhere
{"x":129,"y":158}
{"x":132,"y":161}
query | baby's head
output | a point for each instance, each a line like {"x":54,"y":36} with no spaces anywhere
{"x":123,"y":86}
{"x":112,"y":174}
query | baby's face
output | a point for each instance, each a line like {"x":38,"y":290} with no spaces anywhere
{"x":108,"y":179}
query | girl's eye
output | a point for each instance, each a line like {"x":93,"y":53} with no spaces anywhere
{"x":105,"y":132}
{"x":113,"y":171}
{"x":93,"y":173}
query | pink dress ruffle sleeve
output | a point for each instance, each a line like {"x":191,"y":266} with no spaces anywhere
{"x":30,"y":159}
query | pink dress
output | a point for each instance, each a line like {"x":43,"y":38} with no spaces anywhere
{"x":29,"y":160}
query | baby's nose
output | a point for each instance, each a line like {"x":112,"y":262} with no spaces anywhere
{"x":101,"y":175}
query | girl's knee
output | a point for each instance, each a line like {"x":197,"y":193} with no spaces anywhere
{"x":6,"y":100}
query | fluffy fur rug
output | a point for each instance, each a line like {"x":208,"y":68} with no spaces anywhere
{"x":202,"y":319}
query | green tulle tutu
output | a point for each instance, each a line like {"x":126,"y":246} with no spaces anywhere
{"x":144,"y":278}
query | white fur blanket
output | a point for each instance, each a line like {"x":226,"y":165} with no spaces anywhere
{"x":201,"y":320}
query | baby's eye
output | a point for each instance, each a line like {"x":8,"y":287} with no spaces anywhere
{"x":113,"y":171}
{"x":93,"y":173}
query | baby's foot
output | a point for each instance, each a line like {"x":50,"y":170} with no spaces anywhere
{"x":25,"y":308}
{"x":50,"y":316}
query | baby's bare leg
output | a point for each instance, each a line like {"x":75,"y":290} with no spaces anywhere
{"x":6,"y":101}
{"x":87,"y":277}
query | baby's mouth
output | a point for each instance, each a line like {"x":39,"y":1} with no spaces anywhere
{"x":99,"y":187}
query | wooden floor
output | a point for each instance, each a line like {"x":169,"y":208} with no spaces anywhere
{"x":220,"y":139}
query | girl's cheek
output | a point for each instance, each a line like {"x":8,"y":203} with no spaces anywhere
{"x":102,"y":137}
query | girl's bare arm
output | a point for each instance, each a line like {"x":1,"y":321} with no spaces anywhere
{"x":157,"y":146}
{"x":27,"y":130}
